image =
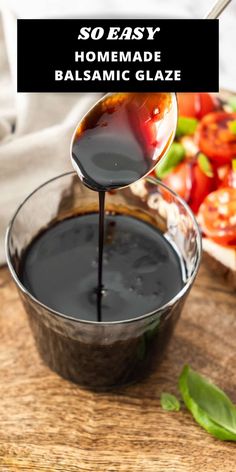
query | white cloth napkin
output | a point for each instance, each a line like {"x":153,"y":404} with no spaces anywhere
{"x":35,"y":133}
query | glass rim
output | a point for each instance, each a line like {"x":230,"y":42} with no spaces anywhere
{"x":56,"y":313}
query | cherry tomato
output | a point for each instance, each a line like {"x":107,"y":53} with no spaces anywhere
{"x":196,"y":105}
{"x":180,"y":180}
{"x":202,"y":185}
{"x":191,"y":183}
{"x":229,"y":179}
{"x":217,"y":216}
{"x":215,"y":139}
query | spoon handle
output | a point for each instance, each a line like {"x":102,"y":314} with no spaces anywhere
{"x":217,"y":9}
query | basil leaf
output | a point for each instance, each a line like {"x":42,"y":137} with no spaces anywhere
{"x":173,"y":157}
{"x":209,"y":405}
{"x":213,"y":400}
{"x":205,"y":165}
{"x":200,"y":415}
{"x":169,"y":402}
{"x":186,"y":126}
{"x":232,"y":103}
{"x":232,"y":126}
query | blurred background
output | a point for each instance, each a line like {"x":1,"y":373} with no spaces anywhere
{"x":36,"y":129}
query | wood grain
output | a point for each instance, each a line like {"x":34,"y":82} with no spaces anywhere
{"x":49,"y":424}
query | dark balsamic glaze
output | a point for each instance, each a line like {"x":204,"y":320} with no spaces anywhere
{"x":141,"y":270}
{"x":120,"y":140}
{"x":100,"y":287}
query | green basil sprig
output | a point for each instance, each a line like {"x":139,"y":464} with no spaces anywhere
{"x":169,"y":402}
{"x":173,"y":157}
{"x":186,"y":126}
{"x":232,"y":126}
{"x":209,"y":405}
{"x":205,"y":165}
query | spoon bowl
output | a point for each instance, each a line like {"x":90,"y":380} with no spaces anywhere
{"x":122,"y":138}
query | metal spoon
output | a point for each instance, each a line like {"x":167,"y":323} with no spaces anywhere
{"x":216,"y":9}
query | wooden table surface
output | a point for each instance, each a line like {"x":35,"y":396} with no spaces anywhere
{"x":49,"y":424}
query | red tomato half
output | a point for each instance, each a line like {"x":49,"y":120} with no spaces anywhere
{"x":196,"y":105}
{"x":215,"y":139}
{"x":191,"y":183}
{"x":217,"y":216}
{"x":201,"y":187}
{"x":180,"y":180}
